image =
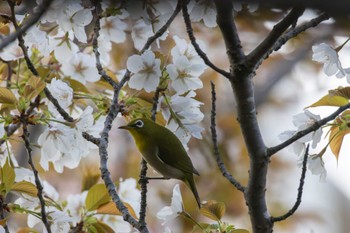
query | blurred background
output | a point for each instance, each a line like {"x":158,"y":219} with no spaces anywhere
{"x":286,"y":82}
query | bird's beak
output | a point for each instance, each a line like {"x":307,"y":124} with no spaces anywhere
{"x":124,"y":127}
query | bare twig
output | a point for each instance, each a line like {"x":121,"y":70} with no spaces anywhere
{"x":143,"y":181}
{"x":302,"y":133}
{"x":36,"y":175}
{"x":259,"y":52}
{"x":289,"y":34}
{"x":300,"y":191}
{"x":217,"y":155}
{"x":199,"y":51}
{"x":163,"y":29}
{"x":29,"y":23}
{"x":97,"y":28}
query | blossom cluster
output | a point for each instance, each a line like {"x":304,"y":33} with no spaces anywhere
{"x":60,"y":45}
{"x":302,"y":121}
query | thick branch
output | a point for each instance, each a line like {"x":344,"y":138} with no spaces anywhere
{"x":217,"y":155}
{"x":300,"y":191}
{"x":199,"y":51}
{"x":229,"y":31}
{"x":336,"y":7}
{"x":302,"y":133}
{"x":260,"y":51}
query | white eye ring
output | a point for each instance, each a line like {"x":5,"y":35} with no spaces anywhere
{"x":139,"y":124}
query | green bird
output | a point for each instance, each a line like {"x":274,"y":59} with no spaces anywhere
{"x":163,"y":151}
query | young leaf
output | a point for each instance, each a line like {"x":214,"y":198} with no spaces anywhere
{"x":102,"y":227}
{"x":341,"y":91}
{"x":77,"y":86}
{"x":110,"y":208}
{"x":33,"y":87}
{"x":336,"y":136}
{"x":213,"y":210}
{"x":330,"y":100}
{"x":6,"y":96}
{"x":97,"y":196}
{"x":25,"y":187}
{"x":240,"y":231}
{"x":338,"y":131}
{"x":7,"y":175}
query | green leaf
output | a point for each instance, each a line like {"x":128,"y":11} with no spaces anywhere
{"x":213,"y":210}
{"x":97,"y":196}
{"x":101,"y":227}
{"x":25,"y":187}
{"x":111,"y":209}
{"x":7,"y":175}
{"x":197,"y":228}
{"x":77,"y":86}
{"x":6,"y":96}
{"x":240,"y":231}
{"x":330,"y":100}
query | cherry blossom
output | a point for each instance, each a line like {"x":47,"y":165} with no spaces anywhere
{"x":168,"y":213}
{"x":325,"y":54}
{"x":185,"y":75}
{"x":146,"y":69}
{"x":203,"y":10}
{"x":62,"y":93}
{"x":81,"y":67}
{"x":305,"y":120}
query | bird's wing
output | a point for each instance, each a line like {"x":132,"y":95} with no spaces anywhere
{"x":181,"y":161}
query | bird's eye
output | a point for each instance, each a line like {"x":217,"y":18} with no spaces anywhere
{"x":139,"y":124}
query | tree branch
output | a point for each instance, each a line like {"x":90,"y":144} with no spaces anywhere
{"x":291,"y":33}
{"x":272,"y":150}
{"x":163,"y":29}
{"x":38,"y":185}
{"x":101,"y":71}
{"x":300,"y":191}
{"x":29,"y":23}
{"x":260,"y":51}
{"x":199,"y":51}
{"x":217,"y":155}
{"x":229,"y":31}
{"x":337,"y":7}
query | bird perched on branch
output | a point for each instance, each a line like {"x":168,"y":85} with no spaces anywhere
{"x":163,"y":151}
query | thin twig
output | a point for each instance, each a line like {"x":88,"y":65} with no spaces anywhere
{"x":34,"y":18}
{"x":199,"y":51}
{"x":58,"y":107}
{"x":143,"y":181}
{"x":36,"y":175}
{"x":97,"y":28}
{"x":259,"y":52}
{"x":302,"y":133}
{"x":219,"y":161}
{"x":300,"y":191}
{"x":291,"y":33}
{"x":163,"y":29}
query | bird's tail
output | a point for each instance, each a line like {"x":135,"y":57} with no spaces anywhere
{"x":190,"y":183}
